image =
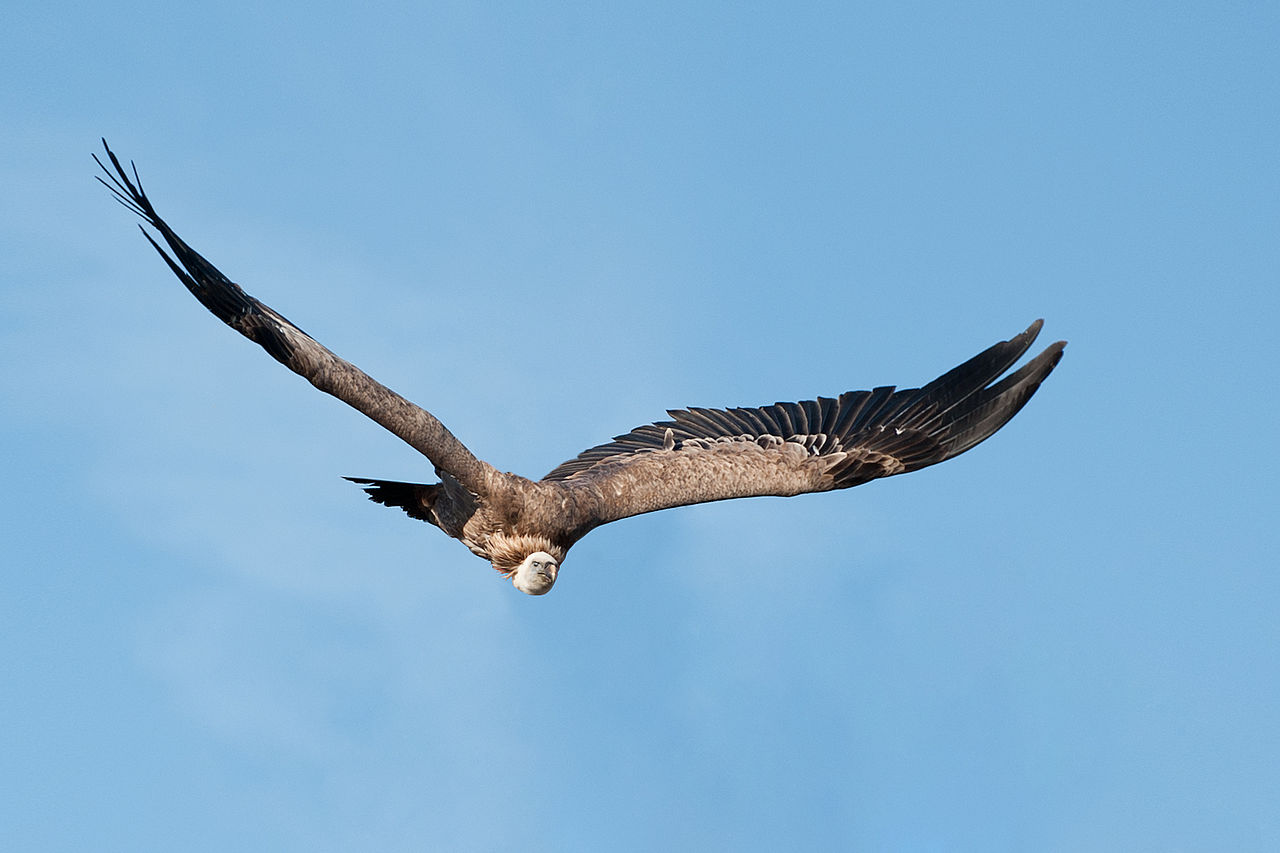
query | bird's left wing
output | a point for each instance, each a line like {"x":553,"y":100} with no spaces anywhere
{"x":811,"y":446}
{"x":297,"y":350}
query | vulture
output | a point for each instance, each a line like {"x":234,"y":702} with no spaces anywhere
{"x":524,"y":527}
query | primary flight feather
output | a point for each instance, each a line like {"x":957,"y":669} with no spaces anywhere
{"x":525,"y":527}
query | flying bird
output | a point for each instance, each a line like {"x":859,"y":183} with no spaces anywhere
{"x":524,"y":527}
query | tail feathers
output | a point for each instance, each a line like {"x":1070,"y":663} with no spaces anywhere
{"x":416,"y":499}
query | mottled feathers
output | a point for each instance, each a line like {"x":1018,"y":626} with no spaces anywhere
{"x":524,"y":527}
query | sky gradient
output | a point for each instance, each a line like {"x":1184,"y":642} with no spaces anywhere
{"x":548,"y":224}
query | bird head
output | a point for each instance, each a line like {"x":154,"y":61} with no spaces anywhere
{"x":536,"y":574}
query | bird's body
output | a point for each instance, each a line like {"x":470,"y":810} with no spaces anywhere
{"x":525,"y":527}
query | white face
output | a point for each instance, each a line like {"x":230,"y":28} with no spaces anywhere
{"x":536,"y":574}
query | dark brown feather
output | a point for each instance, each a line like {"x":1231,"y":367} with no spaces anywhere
{"x":700,"y":454}
{"x":813,"y":445}
{"x":297,"y":350}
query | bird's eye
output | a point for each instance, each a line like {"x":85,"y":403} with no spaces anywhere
{"x":537,"y":564}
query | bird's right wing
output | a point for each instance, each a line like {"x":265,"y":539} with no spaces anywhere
{"x":297,"y":350}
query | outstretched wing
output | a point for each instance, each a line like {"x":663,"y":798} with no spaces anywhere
{"x":294,"y":348}
{"x":812,"y":446}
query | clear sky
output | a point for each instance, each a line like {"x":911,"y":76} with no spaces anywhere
{"x":548,"y":223}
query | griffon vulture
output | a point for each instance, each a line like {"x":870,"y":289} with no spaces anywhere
{"x":526,"y":527}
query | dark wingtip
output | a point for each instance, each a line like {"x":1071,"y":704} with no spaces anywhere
{"x":1033,"y":331}
{"x":1028,"y":336}
{"x":126,"y":192}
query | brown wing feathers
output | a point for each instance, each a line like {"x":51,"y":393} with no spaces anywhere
{"x":882,"y":431}
{"x":223,"y":297}
{"x":701,"y":454}
{"x":294,"y":348}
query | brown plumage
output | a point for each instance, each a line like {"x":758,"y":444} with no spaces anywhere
{"x":525,"y":527}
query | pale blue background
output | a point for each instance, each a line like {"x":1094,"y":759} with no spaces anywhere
{"x":549,"y":223}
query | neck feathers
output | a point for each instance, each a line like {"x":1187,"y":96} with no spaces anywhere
{"x":508,"y":550}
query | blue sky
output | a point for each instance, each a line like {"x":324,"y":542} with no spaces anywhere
{"x":548,"y":224}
